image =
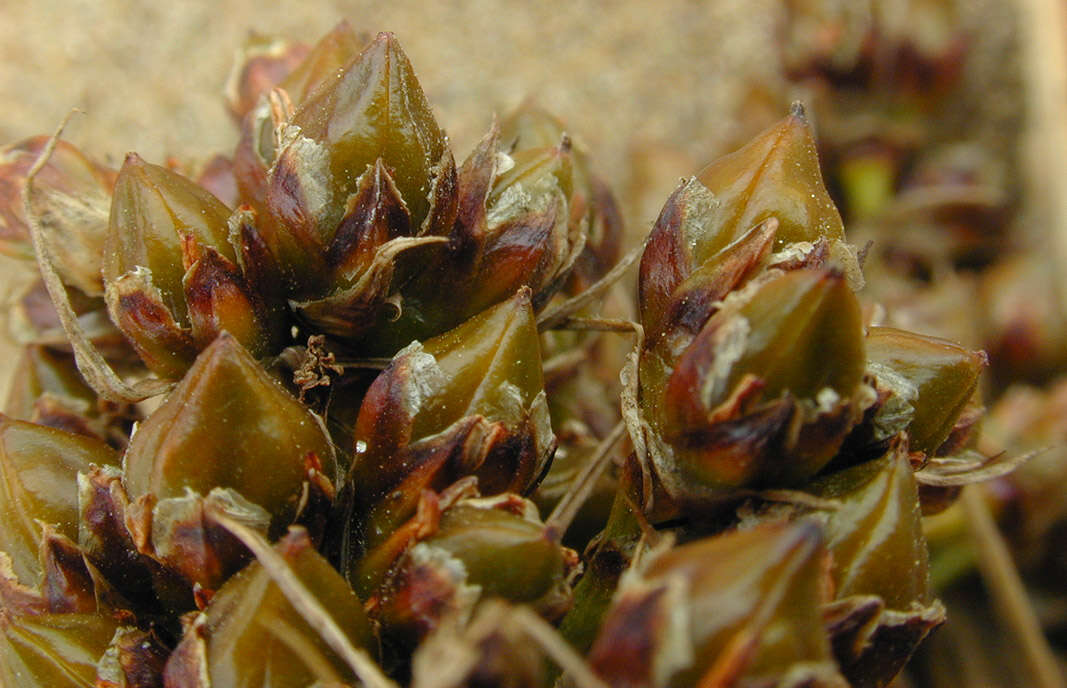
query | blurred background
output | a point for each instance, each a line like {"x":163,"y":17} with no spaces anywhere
{"x":670,"y":84}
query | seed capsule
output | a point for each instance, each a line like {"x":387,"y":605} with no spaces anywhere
{"x":468,"y":402}
{"x":884,"y":606}
{"x":513,"y":229}
{"x":876,"y":535}
{"x":591,"y":201}
{"x":39,"y":472}
{"x":737,"y":609}
{"x":251,"y":635}
{"x":775,"y":175}
{"x":460,"y":552}
{"x":932,"y":380}
{"x":264,"y":451}
{"x":52,"y":650}
{"x":763,"y":395}
{"x":172,"y":279}
{"x":376,"y":109}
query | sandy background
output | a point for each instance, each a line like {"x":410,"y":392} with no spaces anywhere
{"x":652,"y":89}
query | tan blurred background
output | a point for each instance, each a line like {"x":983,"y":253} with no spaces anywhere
{"x":652,"y":89}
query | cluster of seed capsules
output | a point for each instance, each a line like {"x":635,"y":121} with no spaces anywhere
{"x":405,"y":428}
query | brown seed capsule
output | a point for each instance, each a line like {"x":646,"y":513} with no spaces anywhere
{"x":718,"y":229}
{"x":877,"y":522}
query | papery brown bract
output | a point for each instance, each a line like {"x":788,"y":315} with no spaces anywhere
{"x":490,"y":649}
{"x":70,"y":198}
{"x":260,"y":64}
{"x":134,"y":659}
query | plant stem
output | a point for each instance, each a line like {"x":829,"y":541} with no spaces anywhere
{"x":1008,"y":592}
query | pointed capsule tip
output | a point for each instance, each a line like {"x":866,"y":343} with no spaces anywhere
{"x":133,"y":158}
{"x":796,"y":109}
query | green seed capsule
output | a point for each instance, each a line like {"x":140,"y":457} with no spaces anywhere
{"x":475,"y":549}
{"x":775,"y":175}
{"x":38,"y":484}
{"x":763,"y":395}
{"x":53,"y":650}
{"x":229,"y":425}
{"x":172,"y":278}
{"x":935,"y":378}
{"x":251,"y":635}
{"x":470,"y":401}
{"x":876,"y":535}
{"x":884,"y":607}
{"x":743,"y":608}
{"x":376,"y":109}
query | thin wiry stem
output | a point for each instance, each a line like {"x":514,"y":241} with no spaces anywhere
{"x":552,"y":643}
{"x":553,"y":316}
{"x":1009,"y":593}
{"x":563,"y":515}
{"x":595,"y":324}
